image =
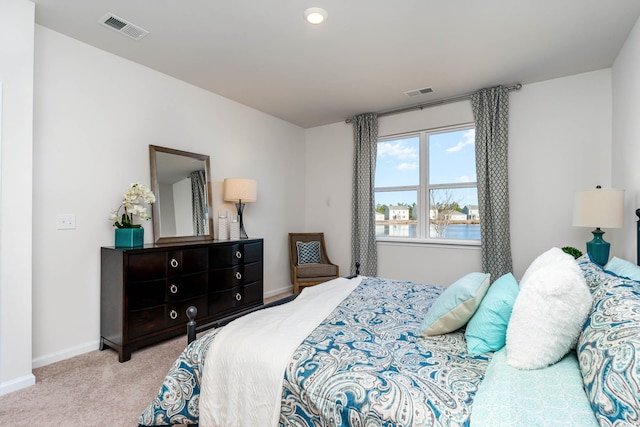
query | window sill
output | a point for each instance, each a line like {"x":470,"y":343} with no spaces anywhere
{"x":444,"y":243}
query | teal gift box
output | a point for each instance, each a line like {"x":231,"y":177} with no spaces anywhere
{"x":129,"y":237}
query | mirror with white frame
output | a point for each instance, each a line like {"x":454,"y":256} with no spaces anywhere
{"x":181,"y":182}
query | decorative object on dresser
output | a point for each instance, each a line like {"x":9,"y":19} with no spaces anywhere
{"x":599,"y":208}
{"x":240,"y":191}
{"x":146,"y":291}
{"x":309,"y":263}
{"x":128,"y":234}
{"x":181,"y":182}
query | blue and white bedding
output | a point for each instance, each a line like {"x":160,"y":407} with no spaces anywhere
{"x":365,"y":364}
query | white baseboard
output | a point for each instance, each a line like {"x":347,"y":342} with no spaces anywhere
{"x":64,"y":354}
{"x":85,"y":348}
{"x":278,"y":291}
{"x":17,"y":384}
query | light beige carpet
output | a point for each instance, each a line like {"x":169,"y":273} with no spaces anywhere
{"x":92,"y":389}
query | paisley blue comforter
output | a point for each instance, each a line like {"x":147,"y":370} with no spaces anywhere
{"x":365,"y":365}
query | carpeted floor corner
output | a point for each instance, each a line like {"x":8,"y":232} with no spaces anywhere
{"x":92,"y":389}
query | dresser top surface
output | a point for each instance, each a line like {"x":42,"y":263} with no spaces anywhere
{"x":182,"y":245}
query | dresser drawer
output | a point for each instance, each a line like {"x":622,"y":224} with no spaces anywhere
{"x":226,"y":255}
{"x":232,"y":299}
{"x":147,"y":266}
{"x":186,"y":286}
{"x":146,"y":294}
{"x":187,"y":261}
{"x":176,"y":313}
{"x":143,"y":322}
{"x":225,"y":278}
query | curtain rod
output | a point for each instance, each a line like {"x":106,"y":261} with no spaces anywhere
{"x":516,"y":86}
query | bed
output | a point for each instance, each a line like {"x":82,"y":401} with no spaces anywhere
{"x":365,"y":364}
{"x":572,"y":335}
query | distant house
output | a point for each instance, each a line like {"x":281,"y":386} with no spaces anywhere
{"x":379,"y":216}
{"x":447,"y":215}
{"x":397,"y":213}
{"x":472,"y":212}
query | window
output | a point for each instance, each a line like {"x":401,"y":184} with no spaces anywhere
{"x":425,"y":186}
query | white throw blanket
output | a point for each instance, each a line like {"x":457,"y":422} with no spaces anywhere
{"x":244,"y":368}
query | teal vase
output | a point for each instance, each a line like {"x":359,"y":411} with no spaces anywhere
{"x":129,"y":237}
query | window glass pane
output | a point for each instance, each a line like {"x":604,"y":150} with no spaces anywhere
{"x":452,"y":157}
{"x":396,"y":213}
{"x":454,"y":214}
{"x":398,"y":162}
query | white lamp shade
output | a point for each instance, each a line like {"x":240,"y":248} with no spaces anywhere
{"x":240,"y":190}
{"x":599,"y":207}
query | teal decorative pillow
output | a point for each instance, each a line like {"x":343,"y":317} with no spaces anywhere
{"x":623,"y":268}
{"x":487,"y":329}
{"x":456,"y":305}
{"x":308,"y":252}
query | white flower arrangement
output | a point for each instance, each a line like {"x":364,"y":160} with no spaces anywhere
{"x":132,"y":205}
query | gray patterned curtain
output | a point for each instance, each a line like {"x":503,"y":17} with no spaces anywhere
{"x":363,"y":229}
{"x":198,"y":202}
{"x":491,"y":114}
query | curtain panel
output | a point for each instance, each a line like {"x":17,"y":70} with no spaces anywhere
{"x":491,"y":114}
{"x":198,"y":202}
{"x":363,"y":225}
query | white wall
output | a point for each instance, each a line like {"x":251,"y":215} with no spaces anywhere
{"x":16,"y":142}
{"x":560,"y":141}
{"x":95,"y":116}
{"x":626,"y":138}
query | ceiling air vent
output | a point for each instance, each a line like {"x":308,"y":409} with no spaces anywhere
{"x":122,"y":26}
{"x":416,"y":92}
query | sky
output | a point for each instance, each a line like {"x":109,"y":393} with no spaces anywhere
{"x":451,"y":160}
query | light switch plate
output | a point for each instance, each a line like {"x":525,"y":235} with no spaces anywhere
{"x":66,"y":222}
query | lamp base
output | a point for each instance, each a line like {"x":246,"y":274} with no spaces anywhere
{"x":243,"y":233}
{"x":598,"y":249}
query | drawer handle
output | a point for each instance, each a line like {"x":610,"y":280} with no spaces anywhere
{"x":238,"y":254}
{"x":173,"y":314}
{"x":173,"y":289}
{"x":173,"y":262}
{"x":238,"y":296}
{"x":238,"y":275}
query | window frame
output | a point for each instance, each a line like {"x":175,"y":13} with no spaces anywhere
{"x":424,"y":187}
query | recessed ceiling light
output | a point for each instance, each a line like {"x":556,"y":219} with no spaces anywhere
{"x":315,"y":15}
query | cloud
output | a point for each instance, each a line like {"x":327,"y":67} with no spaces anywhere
{"x":408,"y":166}
{"x":468,"y":138}
{"x":398,"y":150}
{"x":464,"y":178}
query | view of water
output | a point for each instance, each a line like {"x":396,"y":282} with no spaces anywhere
{"x":453,"y":231}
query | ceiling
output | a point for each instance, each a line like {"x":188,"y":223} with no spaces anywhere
{"x":365,"y":56}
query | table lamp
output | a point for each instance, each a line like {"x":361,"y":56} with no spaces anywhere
{"x":599,"y":208}
{"x":240,"y":191}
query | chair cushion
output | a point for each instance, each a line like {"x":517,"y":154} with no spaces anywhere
{"x":317,"y":270}
{"x":308,"y":252}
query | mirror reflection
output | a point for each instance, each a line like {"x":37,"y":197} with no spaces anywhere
{"x":180,"y":181}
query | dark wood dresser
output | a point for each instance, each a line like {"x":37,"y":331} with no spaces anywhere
{"x":145,"y":291}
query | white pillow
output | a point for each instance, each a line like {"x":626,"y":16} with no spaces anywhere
{"x":550,"y":257}
{"x":548,"y":315}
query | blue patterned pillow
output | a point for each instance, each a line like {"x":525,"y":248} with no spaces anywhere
{"x":308,"y":252}
{"x":609,"y":349}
